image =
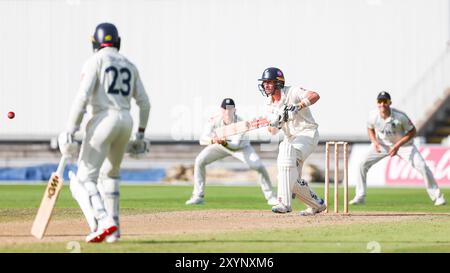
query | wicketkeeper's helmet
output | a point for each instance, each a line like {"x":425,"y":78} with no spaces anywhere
{"x":105,"y":35}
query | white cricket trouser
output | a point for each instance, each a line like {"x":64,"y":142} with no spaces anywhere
{"x":102,"y":150}
{"x":409,"y":153}
{"x":215,"y":152}
{"x":291,"y":155}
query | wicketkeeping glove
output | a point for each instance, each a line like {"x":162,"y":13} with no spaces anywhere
{"x":275,"y":120}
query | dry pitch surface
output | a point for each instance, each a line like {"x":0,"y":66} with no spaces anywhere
{"x":137,"y":227}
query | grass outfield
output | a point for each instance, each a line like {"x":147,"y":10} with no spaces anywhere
{"x":18,"y":203}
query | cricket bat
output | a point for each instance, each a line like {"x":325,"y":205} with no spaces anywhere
{"x":51,"y":194}
{"x":240,"y":127}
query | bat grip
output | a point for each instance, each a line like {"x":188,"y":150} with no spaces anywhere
{"x":61,"y":166}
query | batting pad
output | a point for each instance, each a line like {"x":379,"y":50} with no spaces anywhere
{"x":287,"y":172}
{"x":80,"y":194}
{"x":95,"y":200}
{"x":110,"y":193}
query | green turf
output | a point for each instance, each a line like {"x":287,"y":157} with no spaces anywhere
{"x":407,"y":236}
{"x":19,"y":202}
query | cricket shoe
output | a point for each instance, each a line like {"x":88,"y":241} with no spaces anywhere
{"x":358,"y":200}
{"x":280,"y":208}
{"x":272,"y":201}
{"x":440,"y":201}
{"x":309,"y":211}
{"x":106,"y":228}
{"x":195,"y":200}
{"x":113,"y":237}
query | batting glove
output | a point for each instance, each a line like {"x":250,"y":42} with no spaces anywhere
{"x":138,"y":146}
{"x":139,"y":136}
{"x":67,"y":145}
{"x":290,"y":111}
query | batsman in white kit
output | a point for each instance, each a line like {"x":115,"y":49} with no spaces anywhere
{"x":289,"y":111}
{"x":218,"y":148}
{"x":391,"y":133}
{"x":108,"y":82}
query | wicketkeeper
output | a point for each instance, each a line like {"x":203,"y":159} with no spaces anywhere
{"x":237,"y":146}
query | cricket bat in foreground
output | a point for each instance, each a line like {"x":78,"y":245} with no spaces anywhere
{"x":241,"y":127}
{"x":51,"y":194}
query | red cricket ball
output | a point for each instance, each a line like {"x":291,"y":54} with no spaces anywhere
{"x":11,"y":115}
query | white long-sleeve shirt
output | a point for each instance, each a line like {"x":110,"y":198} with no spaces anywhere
{"x":235,"y":142}
{"x":108,"y":82}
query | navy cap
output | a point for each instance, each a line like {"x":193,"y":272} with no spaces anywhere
{"x":384,"y":96}
{"x":227,"y":102}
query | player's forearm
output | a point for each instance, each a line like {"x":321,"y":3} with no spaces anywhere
{"x":144,"y":105}
{"x":406,"y":138}
{"x":142,"y":100}
{"x":144,"y":114}
{"x":311,"y":98}
{"x":372,"y":136}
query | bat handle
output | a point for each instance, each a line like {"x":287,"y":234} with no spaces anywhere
{"x":61,"y":166}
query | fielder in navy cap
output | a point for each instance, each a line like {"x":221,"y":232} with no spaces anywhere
{"x":391,"y":133}
{"x":383,"y":95}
